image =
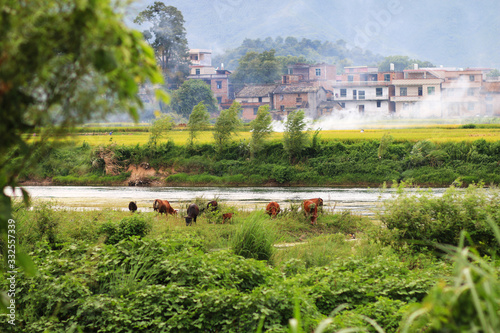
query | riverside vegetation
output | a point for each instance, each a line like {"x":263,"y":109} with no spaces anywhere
{"x":321,"y":162}
{"x":116,"y":271}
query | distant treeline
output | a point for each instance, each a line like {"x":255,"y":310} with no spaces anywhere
{"x":324,"y":163}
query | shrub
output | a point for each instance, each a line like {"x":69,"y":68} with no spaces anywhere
{"x":128,"y":227}
{"x":255,"y":238}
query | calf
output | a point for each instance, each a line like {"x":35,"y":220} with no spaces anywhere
{"x":192,"y":213}
{"x":212,"y":206}
{"x":163,"y":206}
{"x":226,"y":216}
{"x":132,"y":206}
{"x":310,"y":209}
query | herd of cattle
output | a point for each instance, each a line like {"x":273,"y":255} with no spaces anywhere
{"x":309,"y":207}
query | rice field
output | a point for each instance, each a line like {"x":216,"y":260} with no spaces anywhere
{"x":436,"y":134}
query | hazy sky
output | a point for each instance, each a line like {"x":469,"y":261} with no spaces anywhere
{"x":462,"y":33}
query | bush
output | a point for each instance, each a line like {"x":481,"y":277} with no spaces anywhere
{"x":255,"y":238}
{"x":128,"y":227}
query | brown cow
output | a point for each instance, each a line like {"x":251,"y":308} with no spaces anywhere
{"x":310,"y":208}
{"x":163,"y":206}
{"x":317,"y":201}
{"x":273,"y":208}
{"x":226,"y":216}
{"x":212,"y":206}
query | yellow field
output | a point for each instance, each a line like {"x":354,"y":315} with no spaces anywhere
{"x":435,"y":134}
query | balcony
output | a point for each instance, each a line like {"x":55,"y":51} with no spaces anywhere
{"x":417,"y":82}
{"x":361,"y":84}
{"x":411,"y":98}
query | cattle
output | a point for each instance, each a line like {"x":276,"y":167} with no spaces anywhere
{"x":226,"y":216}
{"x":192,"y":213}
{"x":273,"y":208}
{"x":317,"y":201}
{"x":212,"y":206}
{"x":132,"y":206}
{"x":163,"y":206}
{"x":310,"y":209}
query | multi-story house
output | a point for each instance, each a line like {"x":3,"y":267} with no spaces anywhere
{"x":291,"y":97}
{"x":461,"y":93}
{"x":252,"y":97}
{"x":365,"y":91}
{"x":217,"y":78}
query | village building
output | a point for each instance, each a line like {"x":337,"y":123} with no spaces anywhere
{"x":490,"y":92}
{"x":252,"y":97}
{"x":290,"y":97}
{"x":217,"y":78}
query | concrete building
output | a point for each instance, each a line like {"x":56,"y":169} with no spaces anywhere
{"x":290,"y":97}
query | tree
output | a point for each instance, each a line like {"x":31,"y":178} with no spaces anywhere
{"x":190,"y":93}
{"x":295,"y":137}
{"x":257,"y":68}
{"x":160,"y":126}
{"x":198,"y":121}
{"x":401,"y":63}
{"x":61,"y":63}
{"x":226,"y":124}
{"x":167,"y":36}
{"x":261,"y":128}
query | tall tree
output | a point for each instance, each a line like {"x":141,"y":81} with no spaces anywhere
{"x":258,"y":68}
{"x":189,"y":94}
{"x":261,"y":128}
{"x":295,"y":137}
{"x":167,"y":36}
{"x":198,"y":121}
{"x":61,"y":62}
{"x":226,"y":125}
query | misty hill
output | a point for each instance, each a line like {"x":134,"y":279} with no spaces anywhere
{"x":459,"y":33}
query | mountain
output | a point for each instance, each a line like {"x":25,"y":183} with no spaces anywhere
{"x":459,"y":33}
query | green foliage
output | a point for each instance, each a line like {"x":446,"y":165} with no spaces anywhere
{"x":295,"y":138}
{"x":257,"y":68}
{"x":190,"y":94}
{"x":161,"y":125}
{"x":226,"y":125}
{"x":261,"y":129}
{"x":167,"y":36}
{"x":385,"y":142}
{"x":127,"y":227}
{"x":198,"y":121}
{"x":254,"y":238}
{"x":423,"y":219}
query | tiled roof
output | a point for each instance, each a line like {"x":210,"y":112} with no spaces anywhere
{"x":295,"y":88}
{"x":256,"y":91}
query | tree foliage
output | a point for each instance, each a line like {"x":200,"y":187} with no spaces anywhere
{"x":167,"y":36}
{"x":189,"y":94}
{"x":226,"y":125}
{"x":401,"y":63}
{"x":258,"y":68}
{"x":295,"y":137}
{"x":61,"y":63}
{"x":198,"y":121}
{"x":159,"y":128}
{"x":261,"y":128}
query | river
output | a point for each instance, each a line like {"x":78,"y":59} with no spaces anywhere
{"x":363,"y":201}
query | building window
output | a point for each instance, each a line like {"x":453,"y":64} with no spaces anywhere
{"x":318,"y":71}
{"x":299,"y":100}
{"x":281,"y":97}
{"x":255,"y":110}
{"x":197,"y":71}
{"x":470,"y":92}
{"x":219,"y":84}
{"x":219,"y":100}
{"x":361,"y":94}
{"x":420,"y":91}
{"x":403,"y":91}
{"x":471,"y":78}
{"x":387,"y":77}
{"x":282,"y":107}
{"x":260,"y":99}
{"x":350,"y":78}
{"x":343,"y":92}
{"x":194,"y":57}
{"x":431,"y":90}
{"x":354,"y":94}
{"x":342,"y":105}
{"x":379,"y":104}
{"x":378,"y":92}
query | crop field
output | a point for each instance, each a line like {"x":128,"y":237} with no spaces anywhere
{"x":180,"y":137}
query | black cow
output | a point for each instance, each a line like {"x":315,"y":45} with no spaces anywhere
{"x":192,"y":213}
{"x":132,"y":206}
